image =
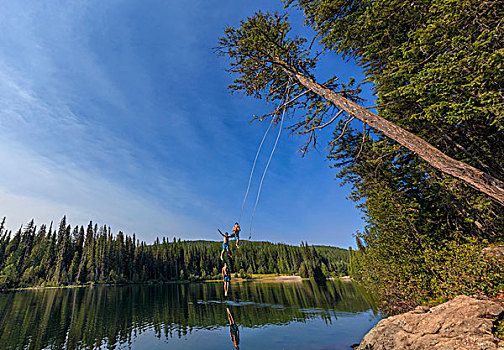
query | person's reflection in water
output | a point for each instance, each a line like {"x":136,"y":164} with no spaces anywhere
{"x":226,"y":276}
{"x":233,"y":330}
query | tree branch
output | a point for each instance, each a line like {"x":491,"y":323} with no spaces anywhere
{"x":294,"y":98}
{"x":484,"y":182}
{"x":362,"y":142}
{"x":348,"y":120}
{"x":324,"y":125}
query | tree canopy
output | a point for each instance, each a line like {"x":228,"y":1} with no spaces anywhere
{"x":270,"y":64}
{"x":42,"y":256}
{"x":419,"y":166}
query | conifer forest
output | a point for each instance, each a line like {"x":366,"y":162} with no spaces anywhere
{"x":43,"y":255}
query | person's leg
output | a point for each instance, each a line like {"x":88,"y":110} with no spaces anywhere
{"x":221,"y":254}
{"x":237,"y":242}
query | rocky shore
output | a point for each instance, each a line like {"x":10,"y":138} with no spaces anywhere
{"x":464,"y":323}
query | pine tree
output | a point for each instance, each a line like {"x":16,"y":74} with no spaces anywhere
{"x":269,"y":64}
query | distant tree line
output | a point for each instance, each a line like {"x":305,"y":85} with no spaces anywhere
{"x":42,"y":256}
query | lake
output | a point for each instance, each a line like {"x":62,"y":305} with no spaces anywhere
{"x":267,"y":315}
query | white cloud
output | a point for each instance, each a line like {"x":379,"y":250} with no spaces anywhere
{"x":39,"y":188}
{"x":60,"y":153}
{"x":116,"y":112}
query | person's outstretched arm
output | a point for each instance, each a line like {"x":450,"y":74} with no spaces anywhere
{"x":221,"y":233}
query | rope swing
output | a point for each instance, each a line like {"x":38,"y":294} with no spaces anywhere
{"x":253,"y":167}
{"x":264,"y":173}
{"x":267,"y":164}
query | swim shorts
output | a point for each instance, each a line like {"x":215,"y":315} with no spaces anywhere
{"x":225,"y":246}
{"x":227,"y":278}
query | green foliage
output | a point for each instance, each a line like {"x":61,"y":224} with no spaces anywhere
{"x":443,"y":58}
{"x":498,"y":328}
{"x":434,"y":65}
{"x":33,"y":258}
{"x":436,"y":68}
{"x":417,"y":246}
{"x":465,"y":269}
{"x":263,"y":57}
{"x":430,"y":276}
{"x":251,"y":48}
{"x":243,"y":274}
{"x":9,"y":277}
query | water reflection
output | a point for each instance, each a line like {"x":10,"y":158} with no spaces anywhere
{"x":234,"y":332}
{"x":226,"y":277}
{"x":114,"y":316}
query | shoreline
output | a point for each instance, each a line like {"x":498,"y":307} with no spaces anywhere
{"x":255,"y":278}
{"x":90,"y":285}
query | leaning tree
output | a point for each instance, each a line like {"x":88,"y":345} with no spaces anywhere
{"x":270,"y":63}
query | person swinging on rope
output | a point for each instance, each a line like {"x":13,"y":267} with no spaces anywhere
{"x":236,"y":233}
{"x":225,"y":244}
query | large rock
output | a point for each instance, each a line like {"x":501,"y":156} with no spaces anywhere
{"x":497,"y":251}
{"x":462,"y":323}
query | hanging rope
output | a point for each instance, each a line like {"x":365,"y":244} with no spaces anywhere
{"x":253,"y":167}
{"x":264,"y":174}
{"x":267,"y":165}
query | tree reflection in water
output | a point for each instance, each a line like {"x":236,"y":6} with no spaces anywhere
{"x":87,"y":318}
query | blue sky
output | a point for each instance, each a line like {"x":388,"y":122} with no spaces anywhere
{"x":118,"y":112}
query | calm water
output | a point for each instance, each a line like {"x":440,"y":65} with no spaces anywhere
{"x":300,"y":315}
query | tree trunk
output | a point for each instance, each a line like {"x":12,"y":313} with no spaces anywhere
{"x":483,"y":182}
